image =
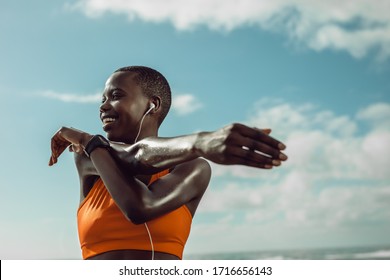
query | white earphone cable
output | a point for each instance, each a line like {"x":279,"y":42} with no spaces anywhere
{"x":140,"y":125}
{"x":150,"y":239}
{"x":136,"y":138}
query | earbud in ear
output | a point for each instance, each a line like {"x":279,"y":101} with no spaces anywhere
{"x":151,"y":107}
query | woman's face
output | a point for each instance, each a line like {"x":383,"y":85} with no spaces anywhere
{"x":123,"y":105}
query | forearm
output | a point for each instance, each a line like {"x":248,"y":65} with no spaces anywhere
{"x":130,"y":194}
{"x":153,"y":154}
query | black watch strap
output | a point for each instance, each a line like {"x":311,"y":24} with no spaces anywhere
{"x":97,"y":141}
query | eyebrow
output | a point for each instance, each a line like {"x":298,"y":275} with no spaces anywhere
{"x":112,"y":90}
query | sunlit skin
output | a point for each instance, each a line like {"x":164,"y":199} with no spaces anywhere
{"x":126,"y":167}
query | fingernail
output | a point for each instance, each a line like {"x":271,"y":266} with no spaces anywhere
{"x":282,"y":156}
{"x":268,"y":166}
{"x":281,"y":146}
{"x":275,"y":162}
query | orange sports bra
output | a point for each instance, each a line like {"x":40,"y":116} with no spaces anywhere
{"x":102,"y":227}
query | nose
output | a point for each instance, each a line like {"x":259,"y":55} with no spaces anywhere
{"x":104,"y":106}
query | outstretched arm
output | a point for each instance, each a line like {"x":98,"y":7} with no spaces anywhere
{"x":233,"y":144}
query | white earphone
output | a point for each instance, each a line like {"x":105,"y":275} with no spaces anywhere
{"x":151,"y":107}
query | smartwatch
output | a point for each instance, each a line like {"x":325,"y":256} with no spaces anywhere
{"x":97,"y":141}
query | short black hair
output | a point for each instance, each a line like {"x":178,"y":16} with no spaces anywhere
{"x":152,"y":83}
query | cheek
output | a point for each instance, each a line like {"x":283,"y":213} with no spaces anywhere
{"x":130,"y":114}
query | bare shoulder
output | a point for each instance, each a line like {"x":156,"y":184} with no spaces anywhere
{"x":198,"y":173}
{"x":200,"y":164}
{"x":198,"y":168}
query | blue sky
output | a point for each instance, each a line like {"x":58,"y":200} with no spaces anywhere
{"x":318,"y":76}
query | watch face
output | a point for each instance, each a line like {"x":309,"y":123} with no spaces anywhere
{"x":96,"y":142}
{"x":104,"y":140}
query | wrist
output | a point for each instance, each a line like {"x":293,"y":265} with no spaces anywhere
{"x":85,"y":138}
{"x":97,"y":141}
{"x":197,"y":145}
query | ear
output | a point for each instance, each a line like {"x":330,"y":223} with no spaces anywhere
{"x":156,"y":101}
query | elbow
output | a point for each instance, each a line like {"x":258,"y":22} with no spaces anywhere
{"x":135,"y":219}
{"x":204,"y":171}
{"x":138,"y":215}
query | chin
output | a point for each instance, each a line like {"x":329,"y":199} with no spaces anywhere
{"x":112,"y":137}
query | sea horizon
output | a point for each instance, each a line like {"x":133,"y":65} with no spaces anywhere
{"x":374,"y":252}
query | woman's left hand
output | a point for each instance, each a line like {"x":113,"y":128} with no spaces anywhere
{"x":65,"y":137}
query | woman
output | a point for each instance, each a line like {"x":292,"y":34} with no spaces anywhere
{"x":140,"y":192}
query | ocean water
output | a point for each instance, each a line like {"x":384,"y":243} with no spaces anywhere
{"x":351,"y":253}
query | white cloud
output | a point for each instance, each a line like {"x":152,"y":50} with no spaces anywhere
{"x":185,"y":104}
{"x":356,"y":26}
{"x":297,"y":219}
{"x":323,"y":144}
{"x":377,"y":115}
{"x":297,"y":201}
{"x":335,"y":181}
{"x":71,"y":97}
{"x":291,"y":213}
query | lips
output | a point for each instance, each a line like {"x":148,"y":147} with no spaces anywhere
{"x":108,"y":121}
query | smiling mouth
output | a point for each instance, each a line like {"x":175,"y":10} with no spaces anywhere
{"x":108,"y":121}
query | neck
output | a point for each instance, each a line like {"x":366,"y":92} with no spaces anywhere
{"x":146,"y":134}
{"x":146,"y":129}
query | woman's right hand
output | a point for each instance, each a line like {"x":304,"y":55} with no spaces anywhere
{"x":240,"y":144}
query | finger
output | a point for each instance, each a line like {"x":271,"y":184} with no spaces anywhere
{"x":53,"y":145}
{"x":58,"y":145}
{"x":266,"y":131}
{"x":56,"y":142}
{"x":263,"y":130}
{"x":257,"y":147}
{"x":259,"y":135}
{"x":269,"y":140}
{"x":250,"y":163}
{"x":57,"y":150}
{"x":249,"y":156}
{"x":52,"y":160}
{"x":60,"y":150}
